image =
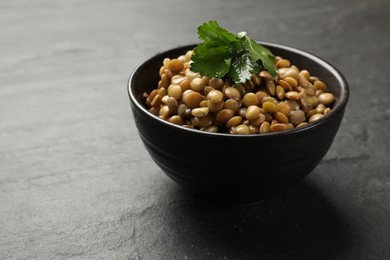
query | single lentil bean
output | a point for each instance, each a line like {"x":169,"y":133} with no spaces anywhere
{"x":185,"y":84}
{"x":164,"y":112}
{"x":282,"y":118}
{"x":233,"y":93}
{"x":241,"y":129}
{"x":283,"y":63}
{"x":215,"y":96}
{"x":315,"y":117}
{"x":197,"y":85}
{"x":280,"y":92}
{"x":224,"y":115}
{"x":296,"y":117}
{"x":250,"y":99}
{"x":193,"y":99}
{"x":264,"y":128}
{"x":200,"y":111}
{"x":274,"y":121}
{"x":283,"y":107}
{"x":175,"y":91}
{"x":176,"y":65}
{"x":252,"y":112}
{"x":269,"y":107}
{"x":293,"y":95}
{"x":176,"y":119}
{"x":318,"y":84}
{"x":326,"y":98}
{"x":278,"y":127}
{"x":270,"y":85}
{"x":234,"y":121}
{"x":232,"y":105}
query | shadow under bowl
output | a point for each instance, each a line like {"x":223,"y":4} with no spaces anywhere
{"x":237,"y":169}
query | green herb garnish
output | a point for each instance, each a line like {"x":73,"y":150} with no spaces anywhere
{"x":223,"y":54}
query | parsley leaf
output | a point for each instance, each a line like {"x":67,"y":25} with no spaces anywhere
{"x":243,"y":68}
{"x":211,"y":62}
{"x":258,"y":52}
{"x":223,"y":54}
{"x":213,"y":35}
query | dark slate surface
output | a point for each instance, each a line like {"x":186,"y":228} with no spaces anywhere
{"x":77,"y":183}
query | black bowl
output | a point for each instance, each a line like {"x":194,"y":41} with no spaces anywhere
{"x":237,"y":169}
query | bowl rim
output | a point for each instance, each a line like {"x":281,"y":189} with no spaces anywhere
{"x":340,"y":106}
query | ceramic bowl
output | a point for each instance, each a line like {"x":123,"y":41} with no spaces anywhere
{"x":237,"y":169}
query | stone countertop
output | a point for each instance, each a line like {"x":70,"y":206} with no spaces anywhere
{"x":77,"y":183}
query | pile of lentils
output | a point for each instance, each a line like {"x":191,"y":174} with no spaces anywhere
{"x":264,"y":104}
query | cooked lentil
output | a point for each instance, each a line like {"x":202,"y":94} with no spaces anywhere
{"x":292,"y":99}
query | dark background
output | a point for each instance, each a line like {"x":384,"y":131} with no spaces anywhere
{"x":77,"y":183}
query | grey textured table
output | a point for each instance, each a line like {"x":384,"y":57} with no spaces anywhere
{"x":77,"y":183}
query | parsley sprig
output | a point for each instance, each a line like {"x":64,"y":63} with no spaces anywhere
{"x":225,"y":55}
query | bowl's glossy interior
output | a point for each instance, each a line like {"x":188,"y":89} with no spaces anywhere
{"x":237,"y":168}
